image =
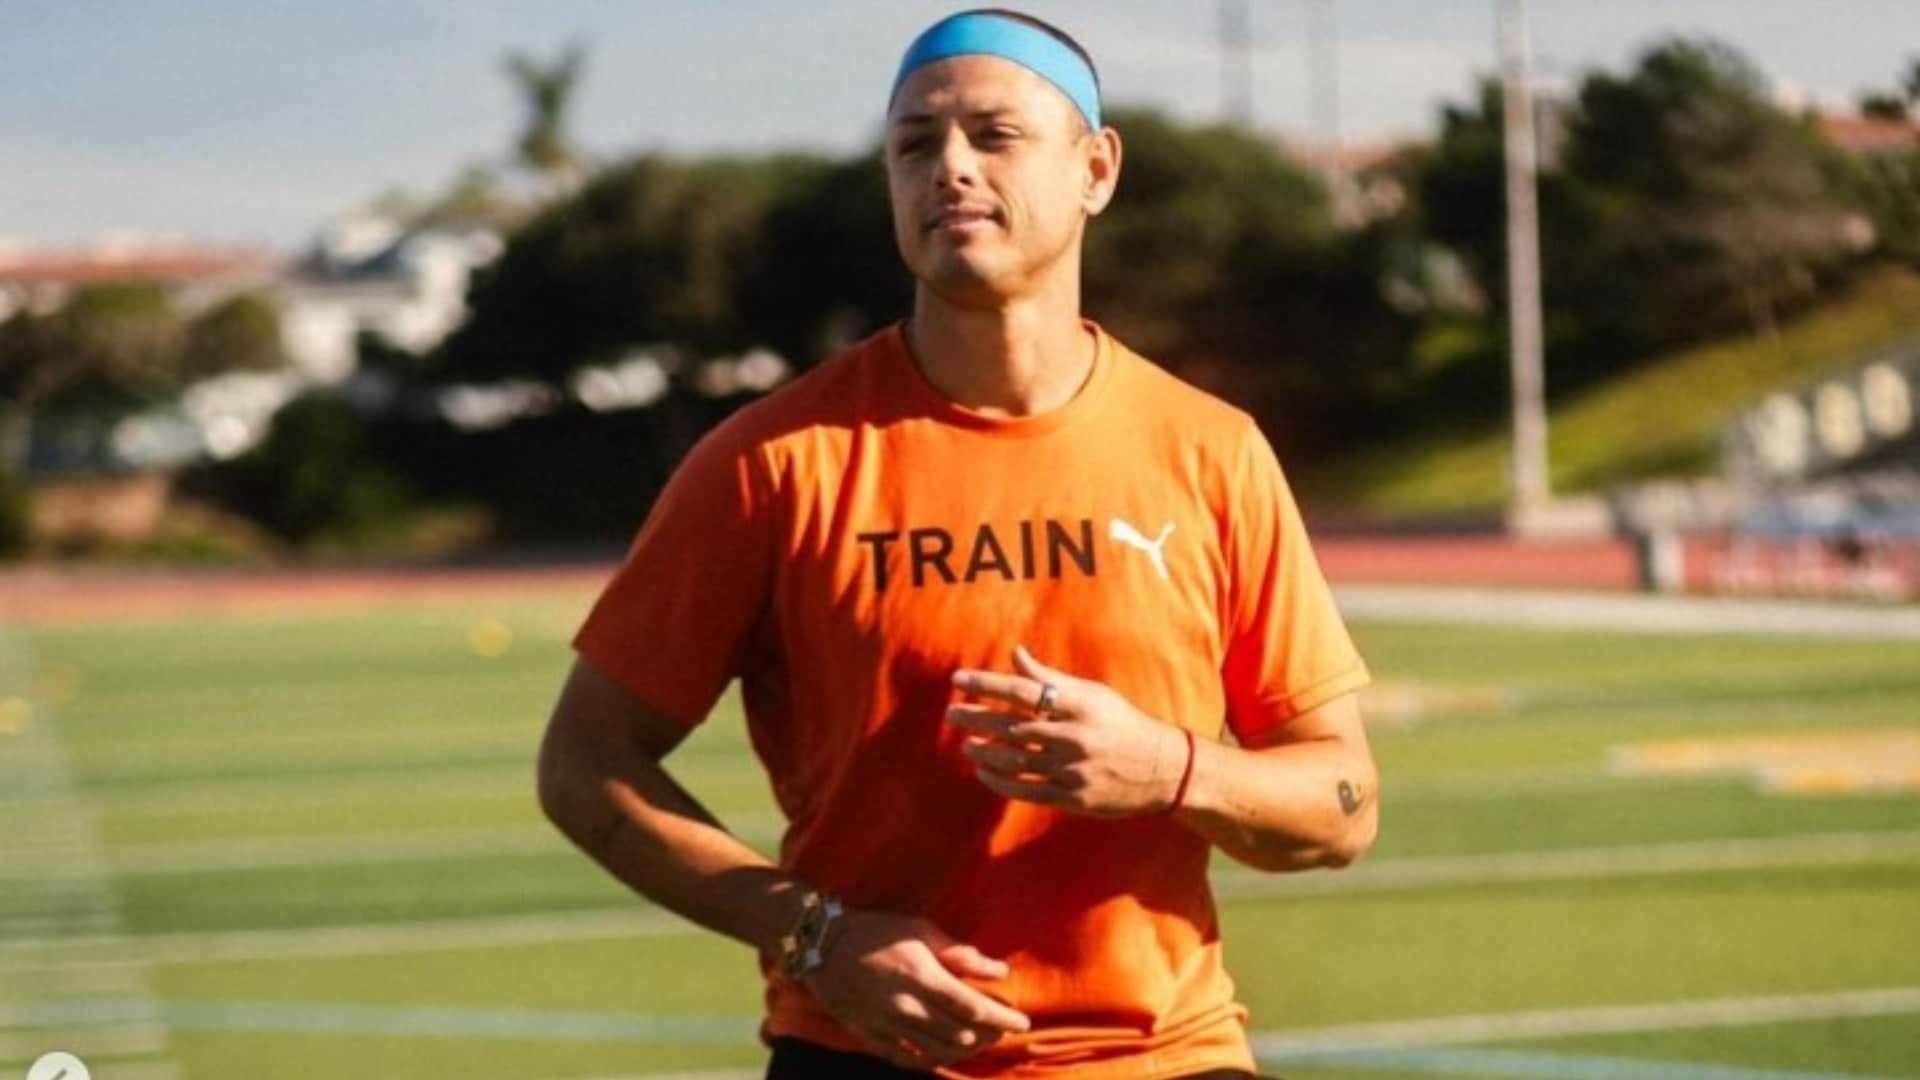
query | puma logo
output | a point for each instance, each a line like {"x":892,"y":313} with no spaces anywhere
{"x":1156,"y":549}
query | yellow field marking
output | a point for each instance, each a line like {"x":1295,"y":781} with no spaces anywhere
{"x":490,"y":638}
{"x":15,"y":715}
{"x":1792,"y":763}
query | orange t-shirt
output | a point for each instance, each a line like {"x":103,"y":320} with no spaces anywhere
{"x":847,"y":542}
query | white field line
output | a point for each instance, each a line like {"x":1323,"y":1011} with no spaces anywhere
{"x":48,"y":926}
{"x":1535,"y":1065}
{"x":148,"y":751}
{"x":1424,"y":872}
{"x":287,"y":696}
{"x":270,"y":853}
{"x":1453,"y":1063}
{"x":1387,"y":875}
{"x":60,"y":896}
{"x":135,"y":1069}
{"x":757,"y":826}
{"x":1626,"y":612}
{"x":1298,"y":1045}
{"x":35,"y":871}
{"x":118,"y":983}
{"x":459,"y":1022}
{"x":120,"y":1039}
{"x":214,"y":795}
{"x":486,"y":778}
{"x":205,"y":795}
{"x":1589,"y":1020}
{"x":421,"y":845}
{"x":110,"y":950}
{"x":1499,"y":784}
{"x":494,"y":781}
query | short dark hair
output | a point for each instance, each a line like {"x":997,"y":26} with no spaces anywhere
{"x":1041,"y":24}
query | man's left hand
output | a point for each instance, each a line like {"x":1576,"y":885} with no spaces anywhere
{"x":1092,"y":753}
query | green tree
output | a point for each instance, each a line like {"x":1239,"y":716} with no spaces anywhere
{"x":1898,"y":101}
{"x":1199,"y":206}
{"x":547,"y":90}
{"x":656,"y":250}
{"x":315,"y":473}
{"x":1220,"y":258}
{"x":242,"y":333}
{"x":1683,"y":204}
{"x":826,"y":268}
{"x":1884,"y":185}
{"x":1461,"y":185}
{"x":110,"y":344}
{"x":1881,"y":106}
{"x":111,"y":340}
{"x":116,"y":345}
{"x":1713,"y":198}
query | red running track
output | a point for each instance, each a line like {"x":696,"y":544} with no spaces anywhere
{"x":45,"y":595}
{"x":1479,"y":560}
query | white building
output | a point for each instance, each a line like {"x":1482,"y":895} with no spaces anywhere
{"x":407,"y":287}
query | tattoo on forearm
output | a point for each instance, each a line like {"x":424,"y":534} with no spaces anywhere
{"x":1349,"y":798}
{"x":603,"y":836}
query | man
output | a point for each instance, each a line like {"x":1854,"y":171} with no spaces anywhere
{"x":996,"y":589}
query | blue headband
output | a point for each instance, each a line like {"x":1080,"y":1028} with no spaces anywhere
{"x":1027,"y":45}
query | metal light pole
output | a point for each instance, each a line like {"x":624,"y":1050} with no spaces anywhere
{"x":1236,"y":60}
{"x":1323,"y":75}
{"x":1529,"y":491}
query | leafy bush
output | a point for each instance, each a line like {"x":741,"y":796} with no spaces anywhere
{"x":315,"y":474}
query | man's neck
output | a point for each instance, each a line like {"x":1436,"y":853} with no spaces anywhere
{"x":1027,"y":357}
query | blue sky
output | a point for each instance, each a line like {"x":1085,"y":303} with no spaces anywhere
{"x":251,"y":122}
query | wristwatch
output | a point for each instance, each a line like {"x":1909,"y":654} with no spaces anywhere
{"x":802,"y":949}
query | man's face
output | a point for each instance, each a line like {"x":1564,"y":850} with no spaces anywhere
{"x":989,"y":177}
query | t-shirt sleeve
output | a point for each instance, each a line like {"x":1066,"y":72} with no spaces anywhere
{"x":673,"y":623}
{"x":1287,"y":649}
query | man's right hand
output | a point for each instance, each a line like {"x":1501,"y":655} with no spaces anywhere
{"x":895,"y":981}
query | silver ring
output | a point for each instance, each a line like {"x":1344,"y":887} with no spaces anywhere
{"x":1049,"y":696}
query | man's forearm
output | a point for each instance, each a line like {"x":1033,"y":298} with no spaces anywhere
{"x":624,"y":810}
{"x":1291,"y":807}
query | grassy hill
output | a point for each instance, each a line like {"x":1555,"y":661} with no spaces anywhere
{"x":1662,"y":419}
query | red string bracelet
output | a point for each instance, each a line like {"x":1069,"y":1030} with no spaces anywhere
{"x":1180,"y":793}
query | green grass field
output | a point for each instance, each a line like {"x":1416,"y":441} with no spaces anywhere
{"x":307,"y":846}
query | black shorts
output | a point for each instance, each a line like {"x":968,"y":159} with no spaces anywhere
{"x":795,"y":1059}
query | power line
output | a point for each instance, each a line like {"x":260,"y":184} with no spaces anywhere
{"x":1236,"y":61}
{"x":1323,"y":74}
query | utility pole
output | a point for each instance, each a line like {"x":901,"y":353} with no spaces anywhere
{"x":1236,"y":61}
{"x":1529,"y":492}
{"x":1323,"y":75}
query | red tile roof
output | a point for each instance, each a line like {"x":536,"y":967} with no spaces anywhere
{"x":1347,"y":158}
{"x":165,"y":265}
{"x":1866,"y":134}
